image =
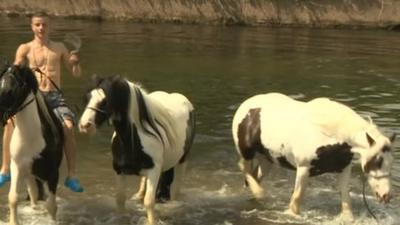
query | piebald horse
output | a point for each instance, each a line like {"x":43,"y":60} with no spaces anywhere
{"x":153,"y":133}
{"x":37,"y":140}
{"x":315,"y":137}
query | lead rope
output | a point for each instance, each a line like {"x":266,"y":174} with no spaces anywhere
{"x":42,"y":74}
{"x":364,"y":179}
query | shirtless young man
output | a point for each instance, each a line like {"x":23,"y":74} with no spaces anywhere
{"x":45,"y":57}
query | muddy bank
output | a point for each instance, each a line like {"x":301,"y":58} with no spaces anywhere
{"x":316,"y":13}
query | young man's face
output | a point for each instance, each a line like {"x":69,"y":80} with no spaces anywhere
{"x":40,"y":26}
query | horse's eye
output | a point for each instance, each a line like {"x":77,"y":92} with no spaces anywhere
{"x":379,"y":161}
{"x":386,"y":149}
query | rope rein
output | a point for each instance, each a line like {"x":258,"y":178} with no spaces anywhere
{"x":364,"y":180}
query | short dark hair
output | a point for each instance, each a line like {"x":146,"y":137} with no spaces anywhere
{"x":39,"y":14}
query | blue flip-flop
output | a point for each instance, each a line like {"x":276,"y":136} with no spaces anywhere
{"x":73,"y":184}
{"x":4,"y":178}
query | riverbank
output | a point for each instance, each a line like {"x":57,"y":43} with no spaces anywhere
{"x":304,"y":13}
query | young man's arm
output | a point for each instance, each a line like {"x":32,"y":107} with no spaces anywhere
{"x":71,"y":61}
{"x":20,"y":55}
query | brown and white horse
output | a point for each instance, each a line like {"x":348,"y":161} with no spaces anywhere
{"x":152,"y":135}
{"x":37,"y":140}
{"x":315,"y":137}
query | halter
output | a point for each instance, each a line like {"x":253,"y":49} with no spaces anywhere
{"x":380,"y":176}
{"x":364,"y":180}
{"x":98,"y":110}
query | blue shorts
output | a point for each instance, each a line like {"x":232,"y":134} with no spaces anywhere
{"x":59,"y":105}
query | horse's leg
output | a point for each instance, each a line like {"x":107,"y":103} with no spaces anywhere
{"x":121,"y":193}
{"x":153,"y":177}
{"x":179,"y":173}
{"x":139,"y":195}
{"x":51,"y":203}
{"x":13,"y":193}
{"x":247,"y":168}
{"x":262,"y":169}
{"x":302,"y":175}
{"x":343,"y":185}
{"x":32,"y":190}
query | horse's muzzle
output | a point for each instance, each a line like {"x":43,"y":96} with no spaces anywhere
{"x":385,"y":198}
{"x":88,"y":128}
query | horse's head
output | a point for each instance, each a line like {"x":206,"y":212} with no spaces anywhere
{"x":376,"y":161}
{"x":16,"y":82}
{"x":97,"y":109}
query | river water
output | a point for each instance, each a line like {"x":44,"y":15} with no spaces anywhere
{"x":217,"y":68}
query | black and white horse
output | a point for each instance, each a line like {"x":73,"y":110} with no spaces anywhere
{"x":315,"y":137}
{"x":37,"y":139}
{"x":152,"y":134}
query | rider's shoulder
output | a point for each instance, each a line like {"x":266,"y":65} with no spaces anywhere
{"x":57,"y":44}
{"x":25,"y":47}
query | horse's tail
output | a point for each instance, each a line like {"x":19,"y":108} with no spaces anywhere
{"x":190,"y":133}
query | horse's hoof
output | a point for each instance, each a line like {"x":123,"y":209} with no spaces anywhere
{"x":121,"y":210}
{"x":295,"y":210}
{"x":35,"y":206}
{"x":260,"y":194}
{"x":347,"y":217}
{"x":137,"y":197}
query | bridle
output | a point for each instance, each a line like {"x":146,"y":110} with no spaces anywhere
{"x":364,"y":178}
{"x":387,"y":175}
{"x":105,"y":113}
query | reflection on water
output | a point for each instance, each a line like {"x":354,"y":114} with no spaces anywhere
{"x":217,"y":68}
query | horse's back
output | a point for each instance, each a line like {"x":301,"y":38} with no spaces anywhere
{"x":179,"y":108}
{"x":283,"y":126}
{"x":272,"y":108}
{"x":334,"y":118}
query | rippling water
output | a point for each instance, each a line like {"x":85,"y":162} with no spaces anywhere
{"x":217,"y":68}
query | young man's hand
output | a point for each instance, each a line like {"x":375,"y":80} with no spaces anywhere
{"x":74,"y":58}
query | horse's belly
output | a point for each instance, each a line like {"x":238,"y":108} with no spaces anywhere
{"x":24,"y":151}
{"x":172,"y":157}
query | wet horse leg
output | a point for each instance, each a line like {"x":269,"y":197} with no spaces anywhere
{"x":139,"y":195}
{"x":302,"y":176}
{"x":343,"y":185}
{"x":32,"y":190}
{"x":51,"y":203}
{"x":16,"y":181}
{"x":247,"y":168}
{"x":179,"y":173}
{"x":153,"y":177}
{"x":121,"y":193}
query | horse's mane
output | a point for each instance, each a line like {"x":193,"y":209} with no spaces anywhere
{"x":338,"y":120}
{"x":30,"y":78}
{"x":146,"y":113}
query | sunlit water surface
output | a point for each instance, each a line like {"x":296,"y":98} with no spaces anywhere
{"x":217,"y":68}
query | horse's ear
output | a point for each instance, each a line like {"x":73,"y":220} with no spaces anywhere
{"x":392,"y":138}
{"x":94,"y":76}
{"x":96,"y":79}
{"x":6,"y":63}
{"x":370,"y":140}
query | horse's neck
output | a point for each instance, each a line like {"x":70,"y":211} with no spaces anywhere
{"x":336,"y":120}
{"x":158,"y":119}
{"x":27,"y":120}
